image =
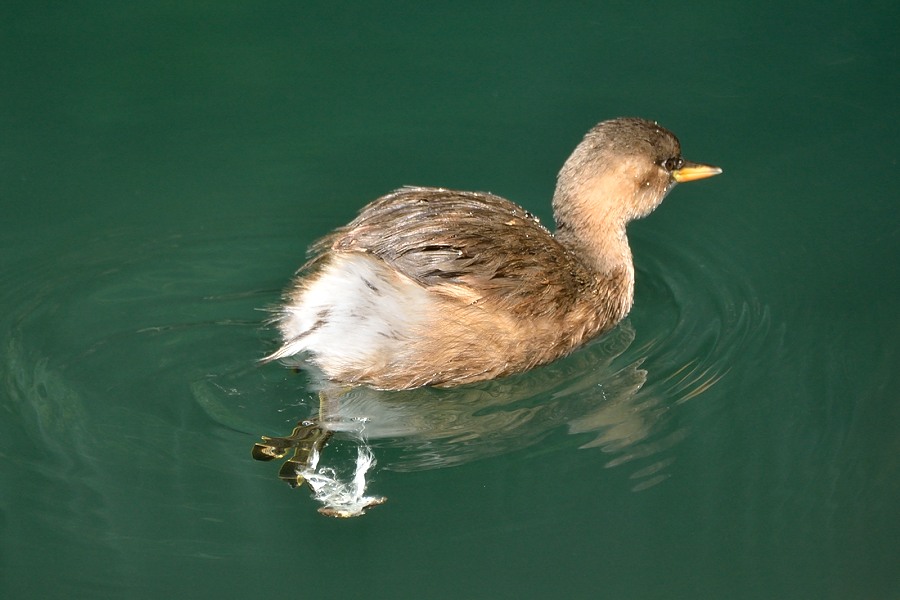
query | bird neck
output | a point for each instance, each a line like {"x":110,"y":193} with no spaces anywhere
{"x":605,"y":252}
{"x":589,"y":226}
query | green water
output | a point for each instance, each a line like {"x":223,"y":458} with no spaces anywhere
{"x":163,"y":167}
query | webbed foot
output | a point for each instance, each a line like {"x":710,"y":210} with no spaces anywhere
{"x":306,"y":440}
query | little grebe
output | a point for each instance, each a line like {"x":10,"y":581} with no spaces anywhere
{"x":429,"y":286}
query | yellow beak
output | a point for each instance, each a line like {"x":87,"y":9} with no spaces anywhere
{"x":691,"y":171}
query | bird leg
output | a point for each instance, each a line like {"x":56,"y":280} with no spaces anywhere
{"x":306,"y":440}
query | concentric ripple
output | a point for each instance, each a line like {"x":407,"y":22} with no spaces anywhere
{"x":90,"y":329}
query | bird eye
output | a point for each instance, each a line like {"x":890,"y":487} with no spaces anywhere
{"x":673,"y":164}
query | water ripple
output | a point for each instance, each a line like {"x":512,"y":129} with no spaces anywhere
{"x":98,"y":324}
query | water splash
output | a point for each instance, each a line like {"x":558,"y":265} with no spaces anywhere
{"x":342,"y":498}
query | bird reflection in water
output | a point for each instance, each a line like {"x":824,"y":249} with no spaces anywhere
{"x":598,"y":394}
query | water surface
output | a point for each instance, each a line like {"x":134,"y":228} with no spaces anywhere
{"x":163,"y":168}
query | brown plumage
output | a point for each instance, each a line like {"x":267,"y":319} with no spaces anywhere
{"x":429,"y":286}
